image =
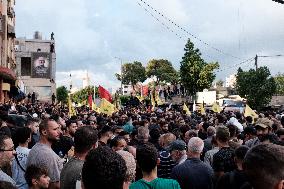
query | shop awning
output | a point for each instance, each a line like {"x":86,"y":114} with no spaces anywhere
{"x":7,"y":73}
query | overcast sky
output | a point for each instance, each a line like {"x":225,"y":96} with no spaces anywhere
{"x":89,"y":34}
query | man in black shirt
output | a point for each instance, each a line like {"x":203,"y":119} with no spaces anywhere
{"x":237,"y":178}
{"x":223,"y":160}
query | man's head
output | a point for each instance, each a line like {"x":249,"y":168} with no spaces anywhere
{"x":240,"y":153}
{"x":37,"y":177}
{"x":264,"y":165}
{"x":263,"y":127}
{"x":164,"y":126}
{"x":249,"y":132}
{"x":189,"y":134}
{"x":7,"y":151}
{"x":195,"y":147}
{"x":211,"y":131}
{"x":118,"y":143}
{"x":106,"y":132}
{"x":222,"y":134}
{"x":85,"y":139}
{"x":166,"y":139}
{"x":49,"y":130}
{"x":71,"y":127}
{"x":143,"y":134}
{"x":33,"y":125}
{"x":147,"y":157}
{"x":23,"y":135}
{"x":177,"y":149}
{"x":103,"y":168}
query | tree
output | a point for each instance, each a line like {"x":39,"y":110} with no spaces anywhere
{"x":163,"y":70}
{"x":132,"y":73}
{"x":256,"y":86}
{"x":279,"y":80}
{"x":195,"y":73}
{"x":62,"y":94}
{"x":83,"y":94}
{"x":220,"y":83}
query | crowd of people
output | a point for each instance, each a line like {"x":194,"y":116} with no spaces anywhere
{"x":138,"y":148}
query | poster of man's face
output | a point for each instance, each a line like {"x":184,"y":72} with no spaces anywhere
{"x":41,"y":65}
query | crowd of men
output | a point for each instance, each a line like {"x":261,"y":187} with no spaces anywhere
{"x":42,"y":147}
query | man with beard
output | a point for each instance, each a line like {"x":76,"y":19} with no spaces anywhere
{"x":43,"y":156}
{"x":263,"y":128}
{"x":66,"y":141}
{"x":7,"y":153}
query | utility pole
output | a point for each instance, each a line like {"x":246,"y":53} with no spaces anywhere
{"x":255,"y":59}
{"x":120,"y":74}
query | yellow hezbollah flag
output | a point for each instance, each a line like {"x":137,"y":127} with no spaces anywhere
{"x":159,"y":101}
{"x":185,"y":108}
{"x":202,"y":110}
{"x":72,"y":111}
{"x":106,"y":107}
{"x":250,"y":112}
{"x":140,"y":98}
{"x":95,"y":108}
{"x":216,"y":108}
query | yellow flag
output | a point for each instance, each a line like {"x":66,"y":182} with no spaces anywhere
{"x":202,"y":110}
{"x":153,"y":100}
{"x":159,"y":101}
{"x":250,"y":112}
{"x":216,"y":108}
{"x":95,"y":108}
{"x":72,"y":111}
{"x":106,"y":107}
{"x":185,"y":108}
{"x":141,"y":98}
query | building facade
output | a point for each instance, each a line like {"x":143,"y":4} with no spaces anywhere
{"x":231,"y":81}
{"x":36,"y":65}
{"x":7,"y":51}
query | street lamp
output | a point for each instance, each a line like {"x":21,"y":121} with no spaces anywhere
{"x":70,"y":82}
{"x":120,"y":74}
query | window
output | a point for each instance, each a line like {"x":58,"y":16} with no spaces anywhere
{"x":26,"y":66}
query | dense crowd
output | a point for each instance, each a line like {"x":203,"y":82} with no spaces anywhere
{"x":42,"y":147}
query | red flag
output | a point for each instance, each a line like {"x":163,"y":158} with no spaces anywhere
{"x":90,"y":101}
{"x":145,"y":90}
{"x":105,"y":94}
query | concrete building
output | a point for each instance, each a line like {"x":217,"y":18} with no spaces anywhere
{"x":7,"y":52}
{"x":86,"y":80}
{"x":231,"y":81}
{"x":36,"y":65}
{"x":127,"y":89}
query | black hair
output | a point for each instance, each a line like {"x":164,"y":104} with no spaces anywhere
{"x":69,"y":122}
{"x":22,"y":134}
{"x":103,"y":168}
{"x":147,"y":156}
{"x":85,"y":138}
{"x":114,"y":142}
{"x":34,"y":172}
{"x":3,"y":137}
{"x":241,"y":151}
{"x":264,"y":164}
{"x":7,"y":185}
{"x":123,"y":133}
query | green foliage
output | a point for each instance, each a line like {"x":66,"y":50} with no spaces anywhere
{"x":62,"y":94}
{"x":124,"y":99}
{"x":163,"y":70}
{"x":279,"y":79}
{"x":195,"y":73}
{"x":256,"y":86}
{"x":83,"y":94}
{"x":132,"y":73}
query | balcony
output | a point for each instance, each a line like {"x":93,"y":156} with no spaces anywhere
{"x":11,"y":12}
{"x":11,"y":31}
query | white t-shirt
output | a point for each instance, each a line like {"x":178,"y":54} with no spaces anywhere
{"x":17,"y":173}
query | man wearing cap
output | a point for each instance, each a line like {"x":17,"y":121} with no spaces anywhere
{"x":178,"y":151}
{"x":263,"y":128}
{"x":194,"y":173}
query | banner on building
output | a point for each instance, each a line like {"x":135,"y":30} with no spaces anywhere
{"x":41,"y":65}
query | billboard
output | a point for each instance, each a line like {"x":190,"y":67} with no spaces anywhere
{"x":41,"y":65}
{"x":43,"y":93}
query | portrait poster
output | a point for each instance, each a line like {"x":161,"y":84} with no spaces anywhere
{"x":41,"y":65}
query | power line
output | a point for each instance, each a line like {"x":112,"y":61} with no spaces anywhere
{"x":233,"y":66}
{"x":278,"y":55}
{"x":181,"y":28}
{"x":167,"y":27}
